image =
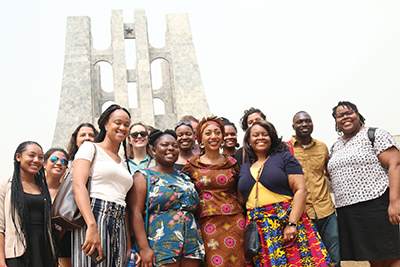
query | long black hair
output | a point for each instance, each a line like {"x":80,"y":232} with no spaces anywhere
{"x":276,"y":142}
{"x":19,"y":206}
{"x":103,"y":120}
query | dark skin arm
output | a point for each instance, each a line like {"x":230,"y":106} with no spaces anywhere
{"x":298,"y":185}
{"x":136,"y":202}
{"x":390,"y":158}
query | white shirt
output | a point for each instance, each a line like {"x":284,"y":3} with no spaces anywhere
{"x":111,"y":181}
{"x":357,"y":173}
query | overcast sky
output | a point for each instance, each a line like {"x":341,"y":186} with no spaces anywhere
{"x":279,"y":56}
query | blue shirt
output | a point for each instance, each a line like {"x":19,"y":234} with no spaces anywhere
{"x":143,"y":164}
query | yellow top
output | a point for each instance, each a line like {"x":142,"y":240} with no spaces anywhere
{"x":265,"y":196}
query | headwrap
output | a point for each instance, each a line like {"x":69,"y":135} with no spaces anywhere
{"x":206,"y":121}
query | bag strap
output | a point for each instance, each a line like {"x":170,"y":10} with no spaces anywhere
{"x":258,"y":177}
{"x":243,"y":155}
{"x":371,"y":135}
{"x":290,"y":146}
{"x":146,"y":216}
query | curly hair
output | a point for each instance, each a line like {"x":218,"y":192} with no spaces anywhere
{"x":349,"y":105}
{"x":276,"y":142}
{"x":19,"y":206}
{"x":72,"y":147}
{"x":247,"y":113}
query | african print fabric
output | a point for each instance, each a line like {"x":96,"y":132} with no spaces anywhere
{"x":307,"y":250}
{"x":223,"y":240}
{"x":173,"y":231}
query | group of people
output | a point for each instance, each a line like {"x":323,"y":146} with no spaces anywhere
{"x":184,"y":197}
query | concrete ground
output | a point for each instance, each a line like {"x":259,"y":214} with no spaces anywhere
{"x":355,"y":264}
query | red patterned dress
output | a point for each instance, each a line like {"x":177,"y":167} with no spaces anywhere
{"x":219,"y":213}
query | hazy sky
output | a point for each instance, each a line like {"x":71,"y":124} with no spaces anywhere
{"x":279,"y":56}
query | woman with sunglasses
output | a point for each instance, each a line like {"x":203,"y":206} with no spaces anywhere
{"x":186,"y":140}
{"x":138,"y":148}
{"x":26,"y":233}
{"x":275,"y":178}
{"x":220,"y":212}
{"x":55,"y":164}
{"x":364,"y":166}
{"x":173,"y":235}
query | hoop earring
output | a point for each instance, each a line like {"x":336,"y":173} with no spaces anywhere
{"x":222,"y":144}
{"x":201,"y":146}
{"x":339,"y":132}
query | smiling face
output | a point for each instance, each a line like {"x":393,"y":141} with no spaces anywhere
{"x":140,"y":141}
{"x":212,"y":138}
{"x":166,"y":150}
{"x":347,"y":120}
{"x":260,"y":140}
{"x":230,"y":137}
{"x":185,"y":137}
{"x":55,"y":169}
{"x":118,"y":126}
{"x":303,"y":125}
{"x":84,"y":134}
{"x":30,"y":159}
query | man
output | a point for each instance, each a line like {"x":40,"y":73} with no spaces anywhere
{"x":313,"y":156}
{"x":250,"y":116}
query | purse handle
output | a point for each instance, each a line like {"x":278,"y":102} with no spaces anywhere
{"x":258,"y":177}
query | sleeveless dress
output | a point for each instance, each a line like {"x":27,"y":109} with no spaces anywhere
{"x":173,"y":232}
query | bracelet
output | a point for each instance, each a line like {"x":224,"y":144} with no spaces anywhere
{"x":292,"y":224}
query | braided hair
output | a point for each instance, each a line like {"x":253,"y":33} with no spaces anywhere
{"x":105,"y":116}
{"x":349,"y":105}
{"x":19,"y":206}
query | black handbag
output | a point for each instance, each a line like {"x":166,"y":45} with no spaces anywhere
{"x":65,"y":211}
{"x":251,"y":240}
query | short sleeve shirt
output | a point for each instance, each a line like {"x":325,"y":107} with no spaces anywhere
{"x":111,"y":181}
{"x":355,"y":169}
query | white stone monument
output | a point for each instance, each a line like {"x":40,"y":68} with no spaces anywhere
{"x":82,"y":97}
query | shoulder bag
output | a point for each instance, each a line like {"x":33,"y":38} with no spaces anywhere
{"x":251,"y":242}
{"x":64,"y":210}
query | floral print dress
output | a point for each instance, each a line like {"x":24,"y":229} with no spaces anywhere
{"x":173,"y":232}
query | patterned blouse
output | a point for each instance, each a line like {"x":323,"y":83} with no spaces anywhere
{"x":216,"y":185}
{"x":356,"y":171}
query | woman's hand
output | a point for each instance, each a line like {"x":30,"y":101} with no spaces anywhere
{"x":92,"y":241}
{"x":138,"y":259}
{"x":394,"y":212}
{"x":289,"y":233}
{"x":148,"y":258}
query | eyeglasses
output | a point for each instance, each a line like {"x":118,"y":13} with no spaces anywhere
{"x":54,"y":159}
{"x":136,"y":134}
{"x":347,"y":113}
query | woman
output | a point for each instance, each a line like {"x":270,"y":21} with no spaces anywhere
{"x":230,"y":138}
{"x":55,"y":164}
{"x":104,"y":209}
{"x":84,"y":132}
{"x":220,"y":213}
{"x":139,"y":152}
{"x":173,"y":237}
{"x":287,"y":234}
{"x":186,"y":140}
{"x":362,"y":172}
{"x":26,"y":232}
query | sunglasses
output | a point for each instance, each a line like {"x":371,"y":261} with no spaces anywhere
{"x":136,"y":134}
{"x":54,"y":159}
{"x":187,"y":123}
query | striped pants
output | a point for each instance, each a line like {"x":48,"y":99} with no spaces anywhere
{"x":110,"y":219}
